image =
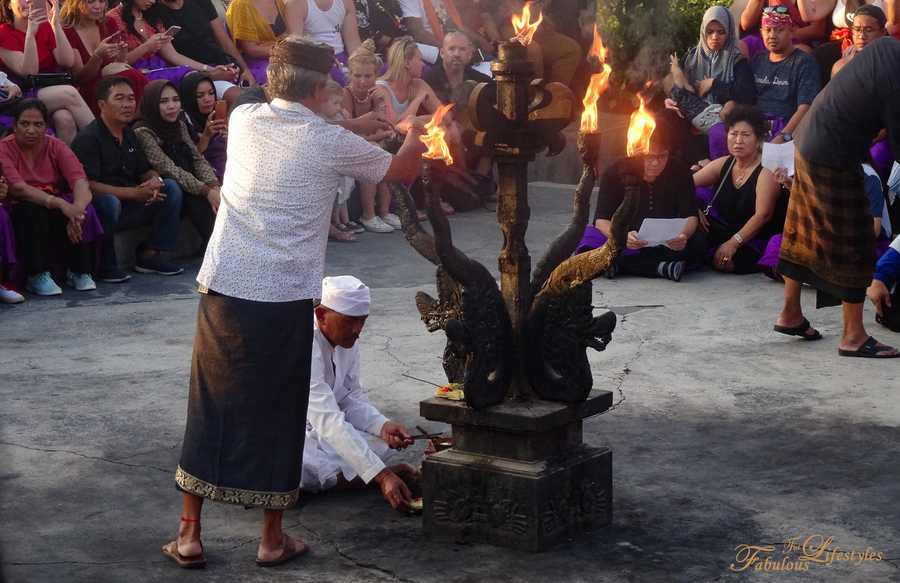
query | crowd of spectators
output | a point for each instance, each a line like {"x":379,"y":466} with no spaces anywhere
{"x":118,"y":119}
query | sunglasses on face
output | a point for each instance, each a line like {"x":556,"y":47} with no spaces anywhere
{"x":775,"y":10}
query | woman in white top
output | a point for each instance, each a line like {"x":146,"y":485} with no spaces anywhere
{"x":332,"y":22}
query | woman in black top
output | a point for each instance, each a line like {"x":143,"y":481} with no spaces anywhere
{"x":739,"y":220}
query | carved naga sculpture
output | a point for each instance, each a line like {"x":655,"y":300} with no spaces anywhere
{"x":469,"y":307}
{"x":561,"y":325}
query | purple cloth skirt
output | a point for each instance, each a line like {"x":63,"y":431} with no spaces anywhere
{"x":155,"y":68}
{"x":258,"y":68}
{"x":593,"y":238}
{"x":770,"y":255}
{"x":882,"y":158}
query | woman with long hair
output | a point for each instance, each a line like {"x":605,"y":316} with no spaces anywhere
{"x":99,"y":48}
{"x":167,"y":144}
{"x":401,"y":87}
{"x":32,"y":41}
{"x":210,"y":135}
{"x":150,"y":44}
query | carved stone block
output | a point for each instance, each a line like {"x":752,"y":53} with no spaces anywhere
{"x":529,"y":505}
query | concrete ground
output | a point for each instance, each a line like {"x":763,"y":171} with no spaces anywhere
{"x":723,"y":434}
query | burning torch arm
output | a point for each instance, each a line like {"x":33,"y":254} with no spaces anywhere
{"x":405,"y":165}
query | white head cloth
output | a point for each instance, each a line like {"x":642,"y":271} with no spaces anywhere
{"x":346,"y":294}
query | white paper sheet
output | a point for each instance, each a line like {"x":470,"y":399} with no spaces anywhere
{"x":775,"y":156}
{"x":659,"y":231}
{"x":484,"y":68}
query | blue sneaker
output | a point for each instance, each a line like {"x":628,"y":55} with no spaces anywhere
{"x":80,"y":281}
{"x":43,"y":285}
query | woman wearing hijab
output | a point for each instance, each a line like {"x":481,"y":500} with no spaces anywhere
{"x":714,"y":75}
{"x":168,"y":146}
{"x":210,"y":135}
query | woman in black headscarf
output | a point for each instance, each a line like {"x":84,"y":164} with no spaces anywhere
{"x":167,"y":144}
{"x":198,"y":98}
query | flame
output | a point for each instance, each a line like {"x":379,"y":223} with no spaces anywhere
{"x":597,"y":87}
{"x":640,"y":129}
{"x":523,"y":26}
{"x":434,"y":137}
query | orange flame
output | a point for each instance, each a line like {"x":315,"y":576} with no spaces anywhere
{"x":597,"y":87}
{"x":640,"y":129}
{"x":523,"y":26}
{"x":434,"y":137}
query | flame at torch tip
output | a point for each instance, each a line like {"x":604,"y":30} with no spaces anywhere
{"x":598,"y":85}
{"x":437,"y":148}
{"x":640,"y":129}
{"x":523,"y":26}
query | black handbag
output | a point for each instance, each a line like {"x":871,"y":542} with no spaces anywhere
{"x":41,"y":80}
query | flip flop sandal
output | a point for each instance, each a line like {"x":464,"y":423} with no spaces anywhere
{"x":286,"y":555}
{"x":799,"y":330}
{"x":870,"y":349}
{"x":193,"y":562}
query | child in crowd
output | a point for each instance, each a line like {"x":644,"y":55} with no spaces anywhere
{"x":334,"y":112}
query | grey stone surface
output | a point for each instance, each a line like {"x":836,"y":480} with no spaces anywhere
{"x":723,"y":433}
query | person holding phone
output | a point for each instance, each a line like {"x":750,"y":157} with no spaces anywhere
{"x":164,"y":137}
{"x":150,"y":46}
{"x":32,"y":41}
{"x":99,"y":48}
{"x":202,"y":37}
{"x":206,"y":119}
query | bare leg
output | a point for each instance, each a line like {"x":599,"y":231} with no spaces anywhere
{"x":67,"y":97}
{"x":383,"y":199}
{"x":64,"y":125}
{"x":367,"y":200}
{"x":274,"y":541}
{"x":189,"y":530}
{"x":855,"y":333}
{"x":792,"y":313}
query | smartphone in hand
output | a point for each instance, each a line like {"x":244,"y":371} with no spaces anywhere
{"x":173,"y":30}
{"x":221,"y":110}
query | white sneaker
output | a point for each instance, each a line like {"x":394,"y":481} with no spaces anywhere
{"x":392,"y":220}
{"x":376,"y":225}
{"x":8,"y":296}
{"x":80,"y":281}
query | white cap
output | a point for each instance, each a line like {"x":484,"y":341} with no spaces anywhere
{"x":346,"y":294}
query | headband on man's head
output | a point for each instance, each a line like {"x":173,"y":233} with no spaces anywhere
{"x":308,"y":55}
{"x":776,"y":16}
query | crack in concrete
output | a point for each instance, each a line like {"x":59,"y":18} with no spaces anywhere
{"x":356,"y":562}
{"x":88,"y":457}
{"x":626,"y":369}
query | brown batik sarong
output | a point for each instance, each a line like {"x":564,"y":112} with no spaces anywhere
{"x":828,"y":237}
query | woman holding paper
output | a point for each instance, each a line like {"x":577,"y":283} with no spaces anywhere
{"x":741,"y":217}
{"x":666,"y":193}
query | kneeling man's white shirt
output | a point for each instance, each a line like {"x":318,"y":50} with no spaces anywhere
{"x":342,"y":426}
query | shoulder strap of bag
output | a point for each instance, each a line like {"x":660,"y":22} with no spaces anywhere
{"x":725,"y":177}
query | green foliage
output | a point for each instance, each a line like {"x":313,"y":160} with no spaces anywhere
{"x":641,"y":34}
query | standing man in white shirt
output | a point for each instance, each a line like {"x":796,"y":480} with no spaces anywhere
{"x":263,"y":266}
{"x":346,"y":436}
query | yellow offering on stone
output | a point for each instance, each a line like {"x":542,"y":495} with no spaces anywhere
{"x":451,"y":391}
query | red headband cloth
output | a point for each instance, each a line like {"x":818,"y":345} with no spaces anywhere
{"x":774,"y":19}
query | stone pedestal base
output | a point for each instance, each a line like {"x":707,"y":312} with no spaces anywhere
{"x":518,"y":475}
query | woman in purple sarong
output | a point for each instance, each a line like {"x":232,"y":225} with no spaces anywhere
{"x":741,"y":216}
{"x":46,"y":216}
{"x":150,"y":47}
{"x":7,"y":250}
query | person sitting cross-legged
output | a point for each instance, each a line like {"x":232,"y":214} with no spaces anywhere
{"x":347,"y":438}
{"x":666,"y":192}
{"x":128,"y":193}
{"x":46,"y":214}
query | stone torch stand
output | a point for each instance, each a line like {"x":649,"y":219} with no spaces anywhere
{"x":518,"y":474}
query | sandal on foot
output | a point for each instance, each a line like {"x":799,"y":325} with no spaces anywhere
{"x":287,"y":554}
{"x":193,"y":562}
{"x":871,"y":348}
{"x":799,"y":330}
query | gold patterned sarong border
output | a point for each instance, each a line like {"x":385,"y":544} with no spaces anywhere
{"x":268,"y":500}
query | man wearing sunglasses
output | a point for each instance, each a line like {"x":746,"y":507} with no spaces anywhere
{"x":787,"y":79}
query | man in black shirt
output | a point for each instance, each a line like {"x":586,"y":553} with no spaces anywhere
{"x":828,"y":238}
{"x":453,"y":68}
{"x":128,"y":193}
{"x":203,"y":38}
{"x":667,"y":192}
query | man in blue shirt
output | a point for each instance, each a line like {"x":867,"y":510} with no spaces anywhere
{"x":887,"y":272}
{"x":787,"y":79}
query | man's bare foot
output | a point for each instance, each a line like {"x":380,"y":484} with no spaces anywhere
{"x":188,"y":540}
{"x":288,"y":549}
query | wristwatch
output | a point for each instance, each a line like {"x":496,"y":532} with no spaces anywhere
{"x":787,"y":136}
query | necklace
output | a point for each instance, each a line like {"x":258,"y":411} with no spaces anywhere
{"x":358,"y":100}
{"x":740,"y":178}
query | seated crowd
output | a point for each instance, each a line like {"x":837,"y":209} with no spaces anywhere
{"x":118,"y":114}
